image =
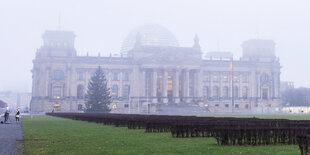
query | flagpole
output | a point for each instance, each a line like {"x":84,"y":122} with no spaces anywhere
{"x":232,"y":86}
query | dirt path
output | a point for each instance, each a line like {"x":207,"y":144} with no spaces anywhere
{"x":10,"y":138}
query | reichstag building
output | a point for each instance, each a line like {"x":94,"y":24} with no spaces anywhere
{"x":153,"y":70}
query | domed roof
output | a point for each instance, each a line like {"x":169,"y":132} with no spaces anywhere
{"x":150,"y":35}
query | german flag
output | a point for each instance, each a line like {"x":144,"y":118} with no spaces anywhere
{"x":232,"y":69}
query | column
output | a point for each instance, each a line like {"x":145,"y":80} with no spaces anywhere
{"x":34,"y":81}
{"x":70,"y":82}
{"x":196,"y":83}
{"x":165,"y":86}
{"x":134,"y":89}
{"x":176,"y":86}
{"x":48,"y":80}
{"x":142,"y":84}
{"x":274,"y":85}
{"x":199,"y":86}
{"x":278,"y":84}
{"x":154,"y":86}
{"x":186,"y":85}
{"x":134,"y":78}
{"x":120,"y":91}
{"x":220,"y":77}
{"x":45,"y":83}
{"x":67,"y":81}
{"x":109,"y":78}
{"x":253,"y":84}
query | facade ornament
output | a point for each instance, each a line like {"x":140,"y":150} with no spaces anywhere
{"x":196,"y":43}
{"x":138,"y":41}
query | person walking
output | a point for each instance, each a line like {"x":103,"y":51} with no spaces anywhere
{"x":17,"y":115}
{"x":6,"y":116}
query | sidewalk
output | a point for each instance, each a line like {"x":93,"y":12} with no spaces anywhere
{"x":10,"y":136}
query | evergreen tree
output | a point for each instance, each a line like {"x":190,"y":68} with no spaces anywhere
{"x":98,"y":96}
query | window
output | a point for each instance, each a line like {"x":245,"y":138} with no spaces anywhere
{"x":80,"y":76}
{"x":236,"y":105}
{"x":126,"y":77}
{"x":57,"y":92}
{"x":206,"y":77}
{"x":245,"y":78}
{"x":115,"y":76}
{"x":225,"y":92}
{"x":245,"y":92}
{"x":58,"y":75}
{"x":206,"y":92}
{"x":216,"y":91}
{"x":236,"y":78}
{"x":225,"y":78}
{"x":226,"y":105}
{"x":125,"y":92}
{"x":126,"y":105}
{"x":264,"y":78}
{"x":80,"y":107}
{"x":114,"y":92}
{"x":215,"y":77}
{"x":217,"y":105}
{"x":57,"y":107}
{"x":236,"y":92}
{"x":80,"y":92}
{"x":265,"y":93}
{"x":92,"y":74}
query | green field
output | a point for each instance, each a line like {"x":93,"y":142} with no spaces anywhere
{"x":51,"y":135}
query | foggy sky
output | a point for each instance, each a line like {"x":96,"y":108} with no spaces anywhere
{"x":101,"y":26}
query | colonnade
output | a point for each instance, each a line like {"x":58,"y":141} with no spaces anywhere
{"x":185,"y":85}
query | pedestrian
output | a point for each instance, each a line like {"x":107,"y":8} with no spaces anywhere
{"x":6,"y":116}
{"x":17,"y":115}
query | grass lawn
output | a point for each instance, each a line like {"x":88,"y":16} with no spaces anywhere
{"x":51,"y":135}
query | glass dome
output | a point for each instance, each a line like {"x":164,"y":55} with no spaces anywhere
{"x":150,"y":35}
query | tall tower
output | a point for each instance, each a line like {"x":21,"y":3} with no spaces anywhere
{"x":58,"y":44}
{"x":258,"y":49}
{"x":52,"y":72}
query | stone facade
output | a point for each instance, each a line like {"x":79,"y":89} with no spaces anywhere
{"x":150,"y":76}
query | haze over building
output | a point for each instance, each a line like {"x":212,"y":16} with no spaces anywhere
{"x":154,"y":70}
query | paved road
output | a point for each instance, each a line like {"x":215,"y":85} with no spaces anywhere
{"x":10,"y":134}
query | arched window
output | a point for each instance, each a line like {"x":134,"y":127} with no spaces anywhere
{"x":58,"y":75}
{"x":114,"y":91}
{"x":265,"y":93}
{"x":126,"y":76}
{"x":216,"y":91}
{"x":80,"y":107}
{"x":245,"y":92}
{"x":115,"y":76}
{"x":57,"y":91}
{"x":125,"y":92}
{"x":264,"y":78}
{"x":80,"y":92}
{"x":225,"y":92}
{"x":206,"y":92}
{"x":80,"y":76}
{"x":236,"y":92}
